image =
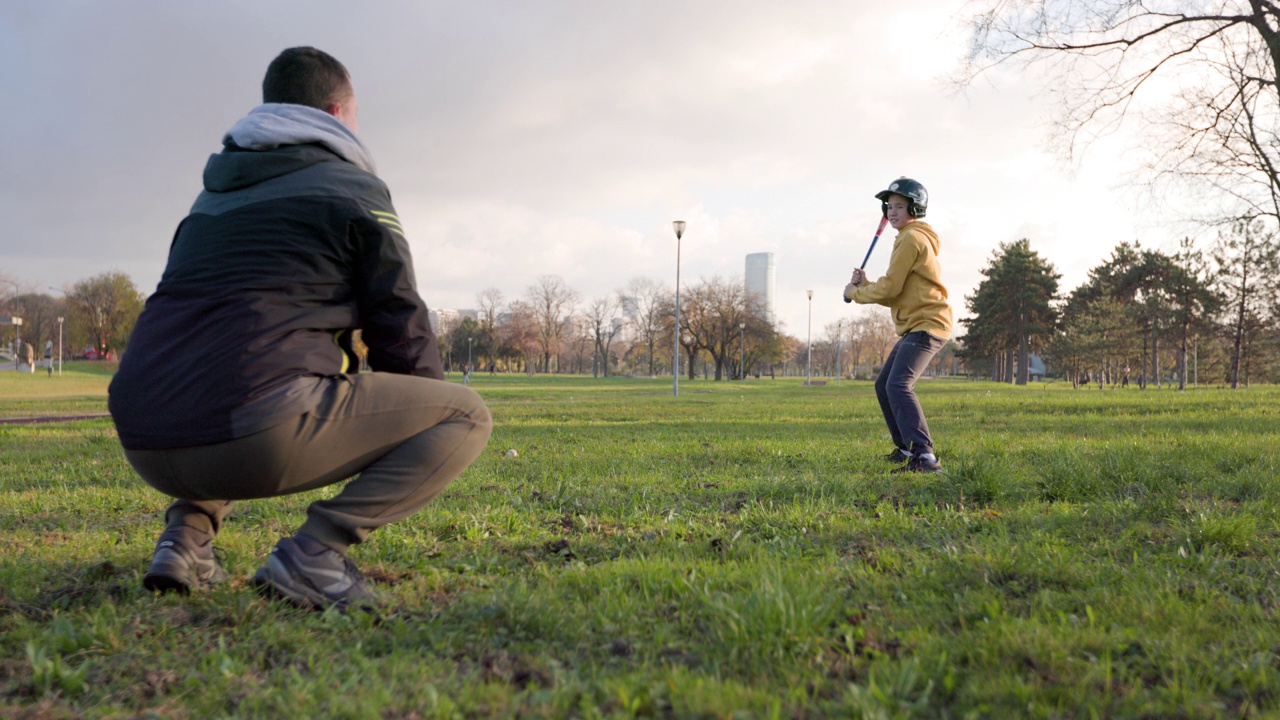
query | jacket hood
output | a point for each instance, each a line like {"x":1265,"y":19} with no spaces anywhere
{"x":281,"y":138}
{"x":927,"y":232}
{"x":236,"y":168}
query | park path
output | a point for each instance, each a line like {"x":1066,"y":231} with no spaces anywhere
{"x":51,"y":418}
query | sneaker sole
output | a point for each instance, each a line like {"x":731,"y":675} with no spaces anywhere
{"x":166,"y":580}
{"x":172,"y":571}
{"x":163,"y":577}
{"x":270,"y":583}
{"x":268,"y":588}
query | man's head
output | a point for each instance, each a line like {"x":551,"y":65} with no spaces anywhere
{"x":311,"y":77}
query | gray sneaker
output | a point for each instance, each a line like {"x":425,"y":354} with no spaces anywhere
{"x":898,"y":456}
{"x":183,"y":561}
{"x":918,"y":464}
{"x":309,"y":573}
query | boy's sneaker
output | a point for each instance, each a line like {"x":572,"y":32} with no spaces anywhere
{"x":309,"y":573}
{"x":898,"y":456}
{"x":919,"y":464}
{"x":183,"y":561}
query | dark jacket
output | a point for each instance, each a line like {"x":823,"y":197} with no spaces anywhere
{"x":284,"y":253}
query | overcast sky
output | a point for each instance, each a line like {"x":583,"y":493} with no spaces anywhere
{"x":529,"y":138}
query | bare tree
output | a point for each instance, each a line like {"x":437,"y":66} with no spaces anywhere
{"x":11,"y":306}
{"x":488,"y":305}
{"x":1104,"y":55}
{"x":9,"y":288}
{"x":880,"y":335}
{"x":697,"y":325}
{"x":832,"y":352}
{"x":519,"y":333}
{"x":577,"y":333}
{"x":1193,"y":301}
{"x":1248,"y":262}
{"x":649,"y":305}
{"x":711,"y":316}
{"x":602,"y":319}
{"x":730,"y":307}
{"x":40,"y":313}
{"x":551,"y":301}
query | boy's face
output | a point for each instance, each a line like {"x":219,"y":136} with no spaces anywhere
{"x":897,"y":211}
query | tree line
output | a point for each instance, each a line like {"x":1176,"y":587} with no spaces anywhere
{"x":98,"y":314}
{"x":725,"y":334}
{"x":1142,"y":316}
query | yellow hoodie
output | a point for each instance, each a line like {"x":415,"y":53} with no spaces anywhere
{"x":912,"y":287}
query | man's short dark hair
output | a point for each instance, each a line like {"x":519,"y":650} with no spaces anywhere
{"x":306,"y":76}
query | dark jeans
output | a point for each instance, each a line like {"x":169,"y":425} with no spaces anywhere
{"x":895,"y":390}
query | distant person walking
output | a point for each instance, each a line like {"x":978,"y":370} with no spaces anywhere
{"x":240,"y":381}
{"x":912,"y":289}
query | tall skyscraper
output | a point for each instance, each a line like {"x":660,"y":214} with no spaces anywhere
{"x":761,"y":280}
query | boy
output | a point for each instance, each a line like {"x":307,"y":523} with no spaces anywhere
{"x":912,"y":289}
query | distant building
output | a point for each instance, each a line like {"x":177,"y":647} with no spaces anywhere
{"x":444,"y":320}
{"x":761,"y":280}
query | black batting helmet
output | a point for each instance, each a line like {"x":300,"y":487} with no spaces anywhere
{"x":910,"y":189}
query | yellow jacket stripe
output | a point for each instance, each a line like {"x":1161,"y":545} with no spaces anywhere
{"x":390,"y":221}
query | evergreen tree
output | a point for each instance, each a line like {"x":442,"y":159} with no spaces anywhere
{"x":1013,"y":306}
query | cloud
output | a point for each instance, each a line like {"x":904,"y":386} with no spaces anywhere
{"x":560,"y":138}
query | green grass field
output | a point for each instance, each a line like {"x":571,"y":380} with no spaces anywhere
{"x":738,"y":552}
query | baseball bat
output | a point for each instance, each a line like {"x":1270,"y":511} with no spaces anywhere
{"x":883,"y":221}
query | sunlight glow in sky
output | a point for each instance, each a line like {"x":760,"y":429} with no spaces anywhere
{"x":521,"y":139}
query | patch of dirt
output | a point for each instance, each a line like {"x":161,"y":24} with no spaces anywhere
{"x":156,"y":683}
{"x":510,"y":669}
{"x":561,"y":549}
{"x":736,"y":502}
{"x":175,"y":615}
{"x":565,"y":523}
{"x":680,"y":656}
{"x":44,"y":710}
{"x":382,"y":576}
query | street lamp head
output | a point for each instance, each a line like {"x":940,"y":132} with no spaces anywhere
{"x":679,"y":226}
{"x":809,"y":293}
{"x":742,"y":326}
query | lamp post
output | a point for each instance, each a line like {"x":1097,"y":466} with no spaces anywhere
{"x":742,"y":357}
{"x":469,"y":354}
{"x":839,"y":351}
{"x":675,"y":353}
{"x":809,"y":361}
{"x":59,"y":346}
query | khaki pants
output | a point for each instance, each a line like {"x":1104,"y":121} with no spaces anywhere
{"x":407,"y":437}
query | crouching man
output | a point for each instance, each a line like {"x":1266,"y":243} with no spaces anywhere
{"x":239,"y":381}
